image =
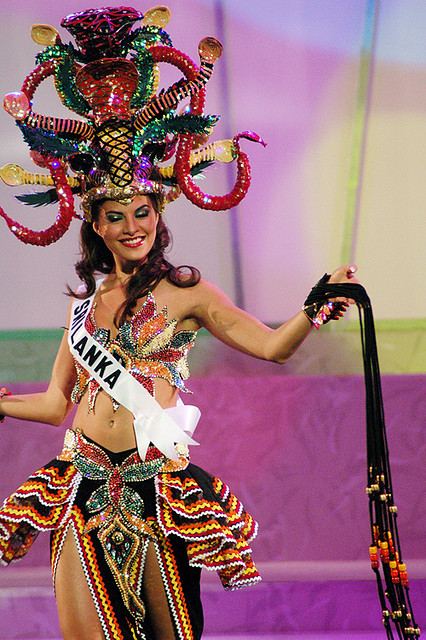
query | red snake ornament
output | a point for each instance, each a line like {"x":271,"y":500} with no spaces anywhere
{"x":193,"y":191}
{"x":63,"y":219}
{"x":186,"y":141}
{"x":57,"y":171}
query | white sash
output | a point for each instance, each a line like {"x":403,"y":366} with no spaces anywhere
{"x":163,"y":427}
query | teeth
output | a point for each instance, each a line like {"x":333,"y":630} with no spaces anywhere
{"x":132,"y":241}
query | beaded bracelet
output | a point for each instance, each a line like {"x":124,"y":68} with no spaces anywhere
{"x":319,"y":315}
{"x":4,"y":392}
{"x":318,"y":309}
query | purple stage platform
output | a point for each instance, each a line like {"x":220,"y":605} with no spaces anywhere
{"x":279,"y":636}
{"x":293,"y":449}
{"x":290,"y":600}
{"x":289,"y":609}
{"x":302,"y":636}
{"x":275,"y":636}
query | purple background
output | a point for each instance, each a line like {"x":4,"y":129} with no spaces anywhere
{"x":293,"y":449}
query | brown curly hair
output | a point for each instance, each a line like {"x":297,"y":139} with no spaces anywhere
{"x":97,"y":258}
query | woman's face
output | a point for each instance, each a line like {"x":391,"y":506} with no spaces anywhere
{"x":128,"y":230}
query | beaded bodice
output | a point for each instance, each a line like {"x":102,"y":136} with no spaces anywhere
{"x":147,"y":345}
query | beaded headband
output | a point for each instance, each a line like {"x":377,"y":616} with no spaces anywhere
{"x":133,"y":140}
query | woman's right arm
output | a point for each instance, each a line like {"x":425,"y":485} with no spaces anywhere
{"x":52,"y":405}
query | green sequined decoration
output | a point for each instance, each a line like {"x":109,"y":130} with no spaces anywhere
{"x":145,"y":66}
{"x":48,"y":142}
{"x":67,"y":88}
{"x":53,"y":52}
{"x":146,"y":36}
{"x":157,"y":129}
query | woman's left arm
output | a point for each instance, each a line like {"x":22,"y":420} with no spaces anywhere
{"x":238,"y":329}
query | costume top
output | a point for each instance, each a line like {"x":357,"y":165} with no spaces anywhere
{"x":147,"y":345}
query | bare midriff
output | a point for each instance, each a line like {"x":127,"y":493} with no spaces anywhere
{"x":114,"y":429}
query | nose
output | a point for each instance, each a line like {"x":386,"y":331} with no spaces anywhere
{"x":130,"y":226}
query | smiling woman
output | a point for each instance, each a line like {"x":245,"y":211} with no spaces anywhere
{"x":132,"y":521}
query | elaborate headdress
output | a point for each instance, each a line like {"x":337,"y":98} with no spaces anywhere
{"x":132,"y":139}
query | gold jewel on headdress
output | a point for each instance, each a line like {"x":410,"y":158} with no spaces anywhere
{"x":124,"y":195}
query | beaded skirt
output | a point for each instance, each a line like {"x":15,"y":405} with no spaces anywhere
{"x":116,"y":506}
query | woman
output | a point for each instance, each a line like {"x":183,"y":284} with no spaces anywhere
{"x":132,"y":521}
{"x":133,"y":238}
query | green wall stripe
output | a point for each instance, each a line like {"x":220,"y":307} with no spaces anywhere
{"x":31,"y":335}
{"x":402,"y":350}
{"x":34,"y":335}
{"x":402,"y":324}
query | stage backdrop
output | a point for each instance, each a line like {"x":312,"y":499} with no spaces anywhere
{"x":337,"y":90}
